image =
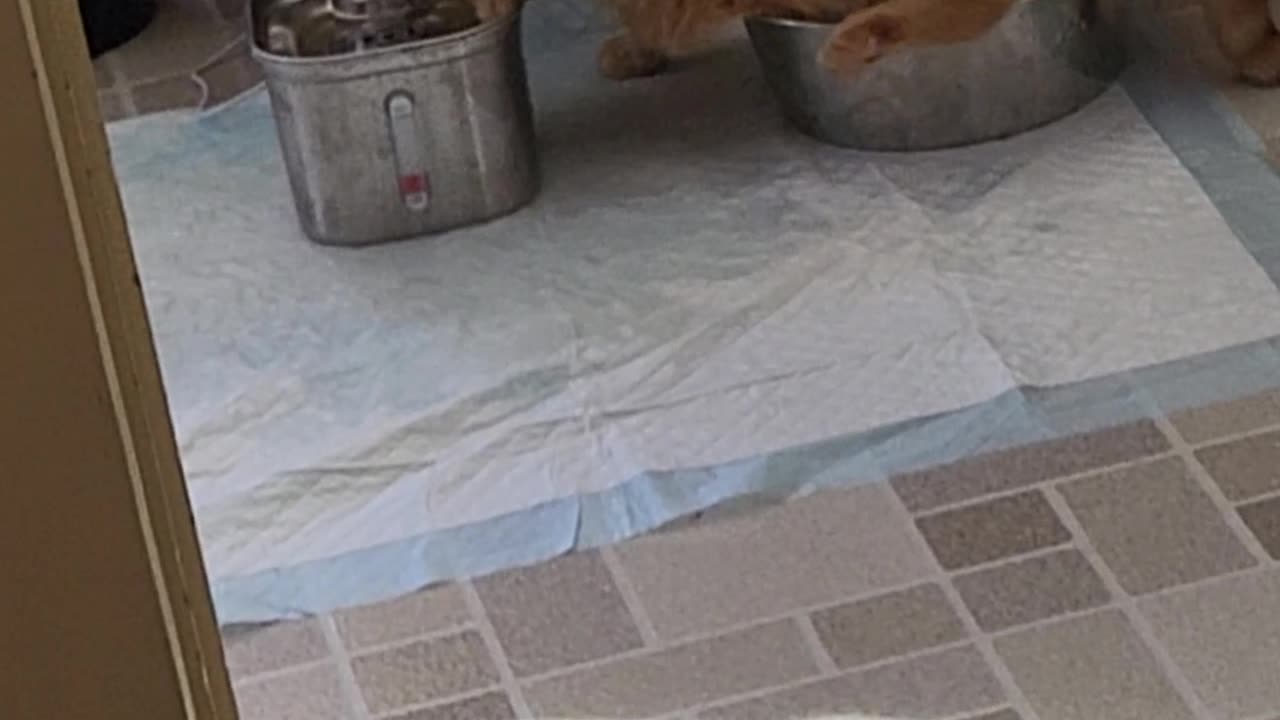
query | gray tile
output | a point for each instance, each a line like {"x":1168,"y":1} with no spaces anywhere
{"x":921,"y":688}
{"x":1154,"y":527}
{"x":423,"y":671}
{"x":312,"y":694}
{"x":815,"y":550}
{"x":1263,"y":519}
{"x":1005,"y":470}
{"x":992,"y":530}
{"x":111,"y":106}
{"x":559,"y":613}
{"x":1025,"y":591}
{"x":254,"y":650}
{"x":1245,"y":468}
{"x":1233,"y":417}
{"x":175,"y":93}
{"x":670,"y":680}
{"x":490,"y":706}
{"x":1225,"y":637}
{"x":878,"y":628}
{"x":427,"y":611}
{"x":1090,"y":668}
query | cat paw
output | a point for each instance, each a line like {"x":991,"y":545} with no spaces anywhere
{"x":860,"y":41}
{"x":620,"y":59}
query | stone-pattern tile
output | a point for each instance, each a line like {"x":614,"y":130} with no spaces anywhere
{"x":816,"y":550}
{"x":1263,"y":519}
{"x":311,"y":694}
{"x":180,"y":39}
{"x":992,"y":530}
{"x":490,"y":706}
{"x":230,"y":76}
{"x":111,"y":106}
{"x":902,"y":653}
{"x":932,"y":686}
{"x":1010,"y":469}
{"x":887,"y":626}
{"x":1155,"y":527}
{"x":413,"y":674}
{"x":1037,"y":588}
{"x":1198,"y":425}
{"x":253,"y":650}
{"x":427,"y":611}
{"x":1093,"y":667}
{"x":1225,"y":637}
{"x":559,"y":613}
{"x":156,"y":71}
{"x":1245,"y":468}
{"x":666,"y":681}
{"x":175,"y":93}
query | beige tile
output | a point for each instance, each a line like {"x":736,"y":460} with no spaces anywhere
{"x":111,"y":105}
{"x":883,"y":627}
{"x":104,"y":76}
{"x":175,"y":93}
{"x":427,"y":611}
{"x":814,"y":550}
{"x":1090,"y":668}
{"x":922,"y":688}
{"x":312,"y":694}
{"x":559,"y":613}
{"x":1245,"y":468}
{"x":1034,"y":589}
{"x":1225,"y":637}
{"x":424,"y":671}
{"x":1010,"y":469}
{"x":230,"y":76}
{"x":254,"y":650}
{"x":1202,"y":424}
{"x":1263,"y":519}
{"x":670,"y":680}
{"x":1154,"y":527}
{"x":992,"y":530}
{"x":180,"y":40}
{"x":490,"y":706}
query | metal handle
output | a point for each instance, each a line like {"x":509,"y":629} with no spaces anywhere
{"x":410,"y":152}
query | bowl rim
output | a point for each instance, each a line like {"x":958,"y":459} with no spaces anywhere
{"x":789,"y":22}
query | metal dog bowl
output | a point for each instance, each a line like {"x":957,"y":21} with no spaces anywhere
{"x":1043,"y":61}
{"x":400,"y":124}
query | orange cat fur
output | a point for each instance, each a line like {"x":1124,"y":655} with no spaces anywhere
{"x":1243,"y":28}
{"x":655,"y":30}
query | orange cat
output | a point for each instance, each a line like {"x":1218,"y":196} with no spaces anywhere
{"x":655,"y":30}
{"x":1243,"y":28}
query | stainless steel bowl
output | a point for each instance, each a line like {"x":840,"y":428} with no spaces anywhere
{"x":1044,"y":60}
{"x":398,"y":141}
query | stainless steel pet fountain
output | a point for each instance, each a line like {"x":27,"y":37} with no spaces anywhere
{"x":1043,"y":61}
{"x":396,"y":117}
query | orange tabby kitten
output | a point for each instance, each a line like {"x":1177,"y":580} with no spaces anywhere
{"x":655,"y":30}
{"x":1243,"y":28}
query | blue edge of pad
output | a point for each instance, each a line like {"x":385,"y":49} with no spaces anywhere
{"x":1214,"y":144}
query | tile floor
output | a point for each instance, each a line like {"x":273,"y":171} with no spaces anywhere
{"x":1126,"y":574}
{"x":194,"y":55}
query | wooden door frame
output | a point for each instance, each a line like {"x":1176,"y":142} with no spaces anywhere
{"x":124,"y":618}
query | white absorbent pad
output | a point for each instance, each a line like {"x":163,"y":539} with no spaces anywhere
{"x":695,"y":285}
